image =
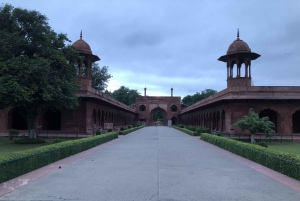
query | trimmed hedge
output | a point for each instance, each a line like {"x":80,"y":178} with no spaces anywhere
{"x":19,"y":163}
{"x":192,"y":133}
{"x":129,"y":130}
{"x":288,"y":164}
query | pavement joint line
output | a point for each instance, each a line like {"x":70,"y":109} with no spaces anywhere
{"x":157,"y":156}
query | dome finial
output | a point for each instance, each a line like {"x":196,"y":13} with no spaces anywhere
{"x":238,"y":34}
{"x":81,"y":35}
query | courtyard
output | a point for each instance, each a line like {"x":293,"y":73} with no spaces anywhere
{"x":154,"y":163}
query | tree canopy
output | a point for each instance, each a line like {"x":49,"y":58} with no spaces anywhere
{"x":254,"y":124}
{"x":100,"y":77}
{"x":189,"y":100}
{"x":125,"y":95}
{"x":36,"y":67}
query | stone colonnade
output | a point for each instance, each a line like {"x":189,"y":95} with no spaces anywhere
{"x":284,"y":114}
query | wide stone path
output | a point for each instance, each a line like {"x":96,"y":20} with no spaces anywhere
{"x":155,"y":163}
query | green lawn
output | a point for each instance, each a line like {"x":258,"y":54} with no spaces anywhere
{"x":290,"y":147}
{"x":7,"y":146}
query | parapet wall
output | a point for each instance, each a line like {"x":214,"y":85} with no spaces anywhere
{"x":250,"y":92}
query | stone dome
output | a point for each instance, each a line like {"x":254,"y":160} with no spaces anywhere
{"x":238,"y":46}
{"x":82,"y":46}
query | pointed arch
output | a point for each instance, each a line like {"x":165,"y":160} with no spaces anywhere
{"x":296,"y":121}
{"x":158,"y":110}
{"x":272,"y":114}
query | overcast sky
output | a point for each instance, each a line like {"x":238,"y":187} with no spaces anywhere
{"x":170,"y":43}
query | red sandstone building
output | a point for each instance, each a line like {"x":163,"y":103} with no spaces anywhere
{"x":169,"y":106}
{"x":218,"y":112}
{"x":95,"y":108}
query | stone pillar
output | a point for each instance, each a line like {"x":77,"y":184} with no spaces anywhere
{"x":171,"y":92}
{"x":250,"y":69}
{"x":145,"y":91}
{"x":246,"y":70}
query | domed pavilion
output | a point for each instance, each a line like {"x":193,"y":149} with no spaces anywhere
{"x":219,"y":111}
{"x":85,"y":63}
{"x":239,"y":53}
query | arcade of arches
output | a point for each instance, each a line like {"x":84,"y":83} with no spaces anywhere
{"x":216,"y":119}
{"x":217,"y":112}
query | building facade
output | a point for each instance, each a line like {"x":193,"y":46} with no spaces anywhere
{"x":169,"y":106}
{"x":219,"y":111}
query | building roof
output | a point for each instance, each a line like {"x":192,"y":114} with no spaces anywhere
{"x":81,"y":46}
{"x":238,"y":46}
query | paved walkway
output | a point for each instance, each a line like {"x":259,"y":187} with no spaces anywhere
{"x":154,"y":163}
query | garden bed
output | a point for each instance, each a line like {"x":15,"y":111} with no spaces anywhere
{"x":285,"y":163}
{"x":19,"y":163}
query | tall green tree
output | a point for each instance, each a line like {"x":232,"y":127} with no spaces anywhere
{"x":100,"y":77}
{"x":189,"y":100}
{"x":125,"y":95}
{"x":37,"y":70}
{"x":254,"y":124}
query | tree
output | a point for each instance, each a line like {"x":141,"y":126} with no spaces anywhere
{"x":158,"y":115}
{"x":189,"y":100}
{"x":254,"y":124}
{"x":207,"y":93}
{"x":125,"y":95}
{"x":100,"y":77}
{"x":37,"y":70}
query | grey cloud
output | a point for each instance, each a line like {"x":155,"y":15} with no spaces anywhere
{"x":163,"y":44}
{"x":142,"y":38}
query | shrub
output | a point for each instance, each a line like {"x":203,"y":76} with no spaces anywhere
{"x":201,"y":129}
{"x":13,"y":133}
{"x":191,"y":128}
{"x":192,"y":133}
{"x":109,"y":130}
{"x":180,"y":126}
{"x":19,"y":163}
{"x":30,"y":141}
{"x":57,"y":140}
{"x":129,"y":127}
{"x":121,"y":129}
{"x":262,"y":143}
{"x":285,"y":163}
{"x":125,"y":132}
{"x":98,"y":132}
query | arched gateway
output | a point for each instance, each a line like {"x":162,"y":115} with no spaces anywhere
{"x":152,"y":109}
